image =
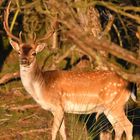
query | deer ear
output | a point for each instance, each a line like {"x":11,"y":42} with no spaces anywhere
{"x":40,"y":47}
{"x":15,"y":45}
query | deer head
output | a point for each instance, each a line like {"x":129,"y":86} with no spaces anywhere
{"x":27,"y":51}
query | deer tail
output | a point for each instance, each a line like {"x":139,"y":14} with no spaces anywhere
{"x":133,"y":87}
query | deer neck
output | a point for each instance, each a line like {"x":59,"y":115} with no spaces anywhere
{"x":31,"y":77}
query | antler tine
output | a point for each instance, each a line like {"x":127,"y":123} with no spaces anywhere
{"x":6,"y":26}
{"x":50,"y":33}
{"x":34,"y":37}
{"x":20,"y":36}
{"x":31,"y":38}
{"x":46,"y":37}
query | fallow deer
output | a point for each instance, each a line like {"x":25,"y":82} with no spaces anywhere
{"x":71,"y":91}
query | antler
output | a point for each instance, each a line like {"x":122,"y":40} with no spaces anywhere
{"x":6,"y":26}
{"x":19,"y":40}
{"x":46,"y":37}
{"x":49,"y":34}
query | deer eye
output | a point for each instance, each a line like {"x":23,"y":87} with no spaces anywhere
{"x":34,"y":54}
{"x":19,"y":53}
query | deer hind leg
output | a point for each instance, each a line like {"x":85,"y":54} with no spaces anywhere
{"x":58,"y":124}
{"x":120,"y":124}
{"x":128,"y":127}
{"x":117,"y":128}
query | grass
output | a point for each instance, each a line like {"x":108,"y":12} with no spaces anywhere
{"x":17,"y":122}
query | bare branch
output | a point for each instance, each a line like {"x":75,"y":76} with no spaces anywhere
{"x":9,"y":76}
{"x":23,"y":108}
{"x":104,"y":45}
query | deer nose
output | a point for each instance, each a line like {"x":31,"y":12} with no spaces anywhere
{"x":24,"y":61}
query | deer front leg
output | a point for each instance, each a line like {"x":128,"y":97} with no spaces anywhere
{"x":58,"y":124}
{"x":62,"y":130}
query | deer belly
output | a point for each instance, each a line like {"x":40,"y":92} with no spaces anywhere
{"x":76,"y":108}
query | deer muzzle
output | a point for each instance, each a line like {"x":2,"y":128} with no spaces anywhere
{"x":24,"y":61}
